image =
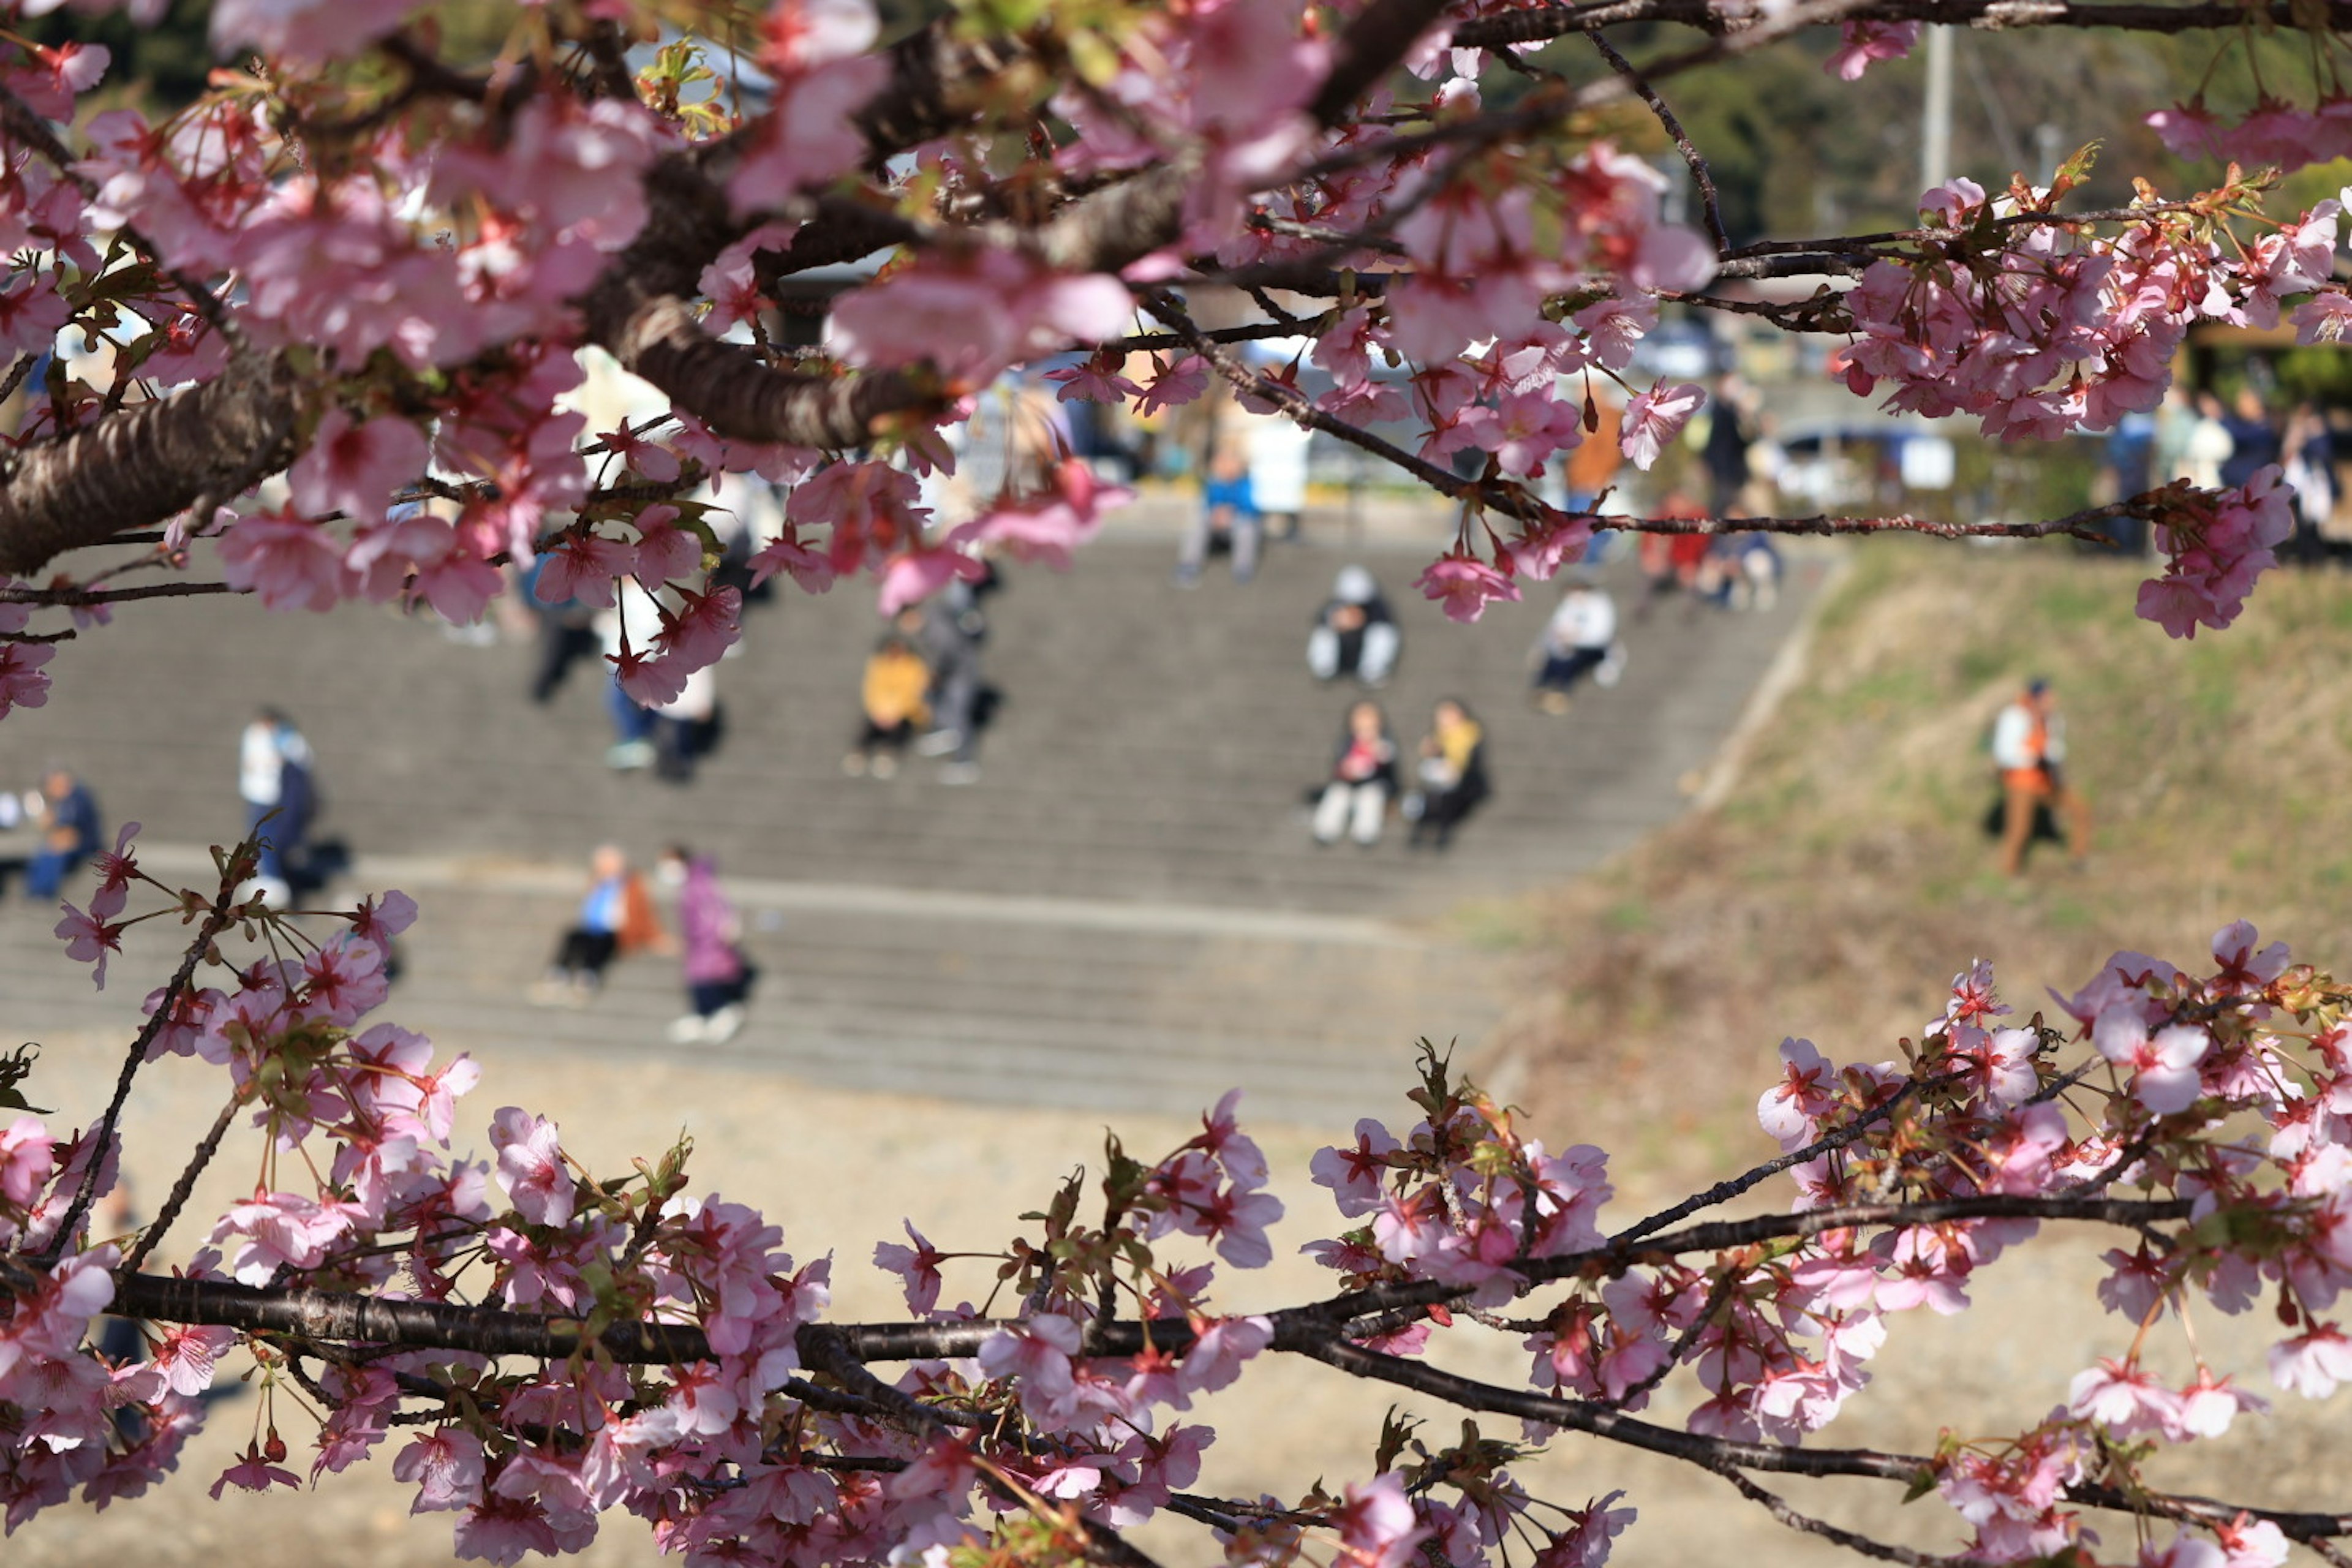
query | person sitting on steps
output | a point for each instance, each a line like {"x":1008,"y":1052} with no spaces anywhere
{"x":1453,"y":774}
{"x":1364,"y":775}
{"x":894,"y":695}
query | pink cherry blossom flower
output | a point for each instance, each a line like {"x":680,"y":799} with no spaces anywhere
{"x":665,"y":550}
{"x":24,"y":1160}
{"x":812,"y":572}
{"x":1357,"y":1174}
{"x":2313,"y":1362}
{"x":917,"y":574}
{"x":657,"y":463}
{"x":703,"y":628}
{"x":1868,"y":41}
{"x":1099,"y":379}
{"x":280,"y":1230}
{"x":584,"y":567}
{"x":1465,"y":585}
{"x":1543,"y":547}
{"x":2126,"y":1399}
{"x":290,"y":563}
{"x":2249,"y":1542}
{"x":115,"y":870}
{"x":355,"y":469}
{"x":1654,"y":419}
{"x":185,"y":1356}
{"x":1377,"y":1525}
{"x":1790,"y":1110}
{"x":89,"y":940}
{"x":2209,"y":1404}
{"x":2242,"y":968}
{"x":1174,"y":386}
{"x":2187,"y":130}
{"x":530,"y":1169}
{"x":2163,"y":1065}
{"x":918,"y":1267}
{"x":2324,"y":318}
{"x":23,"y":682}
{"x":808,"y":137}
{"x":255,"y":1474}
{"x":1592,"y":1531}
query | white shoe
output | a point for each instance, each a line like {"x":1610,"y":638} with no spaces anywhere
{"x":884,"y":765}
{"x":938,"y":743}
{"x":688,"y":1030}
{"x":724,"y":1024}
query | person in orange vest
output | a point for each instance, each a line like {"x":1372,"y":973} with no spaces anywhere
{"x":2029,"y":747}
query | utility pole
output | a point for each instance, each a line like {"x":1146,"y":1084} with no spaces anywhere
{"x":1935,"y":116}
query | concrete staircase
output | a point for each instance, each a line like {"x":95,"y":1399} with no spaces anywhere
{"x":1125,"y":911}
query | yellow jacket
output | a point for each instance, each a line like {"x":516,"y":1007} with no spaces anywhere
{"x":896,"y":682}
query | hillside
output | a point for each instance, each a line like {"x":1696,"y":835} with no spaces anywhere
{"x":1846,"y":878}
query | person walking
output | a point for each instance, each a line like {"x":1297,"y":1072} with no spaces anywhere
{"x":275,"y":779}
{"x":1364,"y":775}
{"x":2029,"y":747}
{"x":718,"y":978}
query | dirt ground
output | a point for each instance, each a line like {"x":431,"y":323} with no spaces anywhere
{"x":838,"y":1172}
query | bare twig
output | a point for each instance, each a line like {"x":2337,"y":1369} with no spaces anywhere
{"x":1708,"y":202}
{"x":177,"y":1199}
{"x":217,"y":919}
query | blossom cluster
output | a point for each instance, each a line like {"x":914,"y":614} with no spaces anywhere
{"x":2040,"y":328}
{"x":2215,"y":544}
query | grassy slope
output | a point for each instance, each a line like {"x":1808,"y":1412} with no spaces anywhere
{"x":1847,"y":878}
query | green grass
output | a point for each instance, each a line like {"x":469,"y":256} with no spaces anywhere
{"x":1846,"y":879}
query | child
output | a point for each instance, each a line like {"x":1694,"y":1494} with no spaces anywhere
{"x":897,"y":683}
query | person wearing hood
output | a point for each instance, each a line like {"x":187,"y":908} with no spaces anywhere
{"x":717,"y":979}
{"x":1355,"y":632}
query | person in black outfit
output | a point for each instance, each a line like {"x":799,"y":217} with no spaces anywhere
{"x":1355,"y":632}
{"x":2253,"y":439}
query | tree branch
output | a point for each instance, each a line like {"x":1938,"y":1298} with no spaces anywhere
{"x":134,"y":468}
{"x":1716,"y":17}
{"x":1708,"y":202}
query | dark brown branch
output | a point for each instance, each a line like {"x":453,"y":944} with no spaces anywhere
{"x":1370,"y":48}
{"x":1601,"y":1421}
{"x":327,"y":1315}
{"x":2074,"y":525}
{"x":1806,"y":1524}
{"x":217,"y":919}
{"x":177,"y":1199}
{"x":1714,"y":16}
{"x":1827,"y":1143}
{"x":67,"y":597}
{"x":1708,"y":202}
